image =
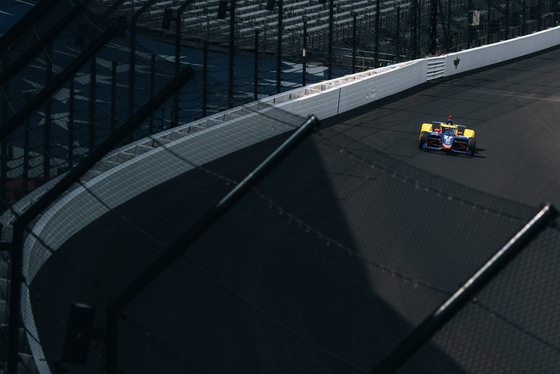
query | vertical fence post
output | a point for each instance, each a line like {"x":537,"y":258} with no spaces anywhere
{"x":524,"y":18}
{"x":539,"y":15}
{"x":132,"y":67}
{"x":552,"y":9}
{"x":469,"y":26}
{"x":330,"y":46}
{"x":304,"y":54}
{"x":279,"y":47}
{"x":71,"y":109}
{"x":152,"y":91}
{"x":414,"y":31}
{"x":449,"y":38}
{"x":354,"y":42}
{"x":26,"y":148}
{"x":4,"y":110}
{"x":489,"y":25}
{"x":92,"y":101}
{"x":256,"y":67}
{"x":205,"y":79}
{"x":4,"y":168}
{"x":398,"y":36}
{"x":16,"y":280}
{"x":48,"y":113}
{"x":377,"y":29}
{"x":433,"y":27}
{"x":175,"y":117}
{"x":507,"y":19}
{"x":113,"y":96}
{"x":231,"y":52}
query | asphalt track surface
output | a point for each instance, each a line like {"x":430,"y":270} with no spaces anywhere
{"x":513,"y":109}
{"x":333,"y":268}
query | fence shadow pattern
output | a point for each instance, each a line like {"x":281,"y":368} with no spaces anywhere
{"x":328,"y":264}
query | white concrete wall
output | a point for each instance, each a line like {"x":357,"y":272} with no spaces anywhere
{"x":350,"y":92}
{"x":495,"y":53}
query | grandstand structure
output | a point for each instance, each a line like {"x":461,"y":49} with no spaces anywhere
{"x":73,"y":73}
{"x":400,"y":29}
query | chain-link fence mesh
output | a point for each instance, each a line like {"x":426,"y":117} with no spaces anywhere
{"x":326,"y":266}
{"x":87,"y":106}
{"x":507,"y":325}
{"x":333,"y":259}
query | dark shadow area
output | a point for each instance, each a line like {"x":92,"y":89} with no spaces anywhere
{"x":339,"y":253}
{"x":510,"y":325}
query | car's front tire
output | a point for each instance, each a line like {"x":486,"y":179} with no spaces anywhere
{"x":471,"y":147}
{"x":424,"y":135}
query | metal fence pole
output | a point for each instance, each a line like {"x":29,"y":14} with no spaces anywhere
{"x":377,"y":29}
{"x":433,"y":323}
{"x":524,"y":16}
{"x":279,"y":47}
{"x":191,"y":235}
{"x":92,"y":101}
{"x":26,"y":148}
{"x":304,"y":54}
{"x":433,"y":26}
{"x":113,"y":96}
{"x":398,"y":36}
{"x":414,"y":31}
{"x":48,"y":114}
{"x":175,"y":117}
{"x":4,"y":111}
{"x":132,"y":67}
{"x":539,"y":15}
{"x":256,"y":67}
{"x":231,"y":53}
{"x":205,"y":79}
{"x":152,"y":91}
{"x":71,"y":103}
{"x":330,"y":36}
{"x":489,"y":26}
{"x":354,"y":42}
{"x":507,"y":19}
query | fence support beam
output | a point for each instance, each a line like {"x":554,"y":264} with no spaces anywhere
{"x":279,"y":46}
{"x":60,"y":80}
{"x":304,"y":54}
{"x":39,"y":45}
{"x":377,"y":31}
{"x":330,"y":46}
{"x":421,"y":334}
{"x":21,"y":223}
{"x":191,"y":235}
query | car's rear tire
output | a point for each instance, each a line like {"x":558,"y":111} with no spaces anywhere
{"x":471,"y":147}
{"x":424,"y":135}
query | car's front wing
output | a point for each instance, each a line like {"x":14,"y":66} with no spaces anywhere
{"x":434,"y":143}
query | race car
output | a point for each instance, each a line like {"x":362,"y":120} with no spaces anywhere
{"x":448,"y":138}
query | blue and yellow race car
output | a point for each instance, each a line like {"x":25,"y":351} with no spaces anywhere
{"x":448,"y":138}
